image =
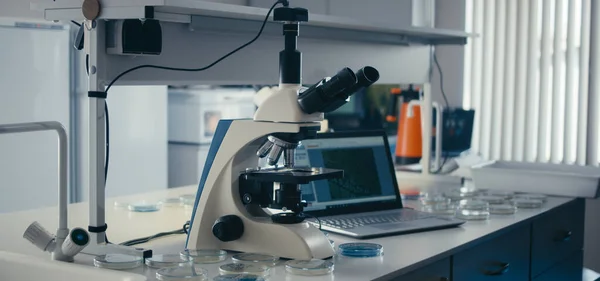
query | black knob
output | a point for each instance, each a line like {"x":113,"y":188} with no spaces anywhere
{"x":228,"y":228}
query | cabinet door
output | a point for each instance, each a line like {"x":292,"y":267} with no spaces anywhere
{"x":557,"y":235}
{"x":504,"y":258}
{"x":569,"y":269}
{"x":438,"y":271}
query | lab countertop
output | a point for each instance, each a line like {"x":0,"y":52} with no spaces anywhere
{"x":403,"y":253}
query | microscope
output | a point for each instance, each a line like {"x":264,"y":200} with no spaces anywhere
{"x":245,"y":208}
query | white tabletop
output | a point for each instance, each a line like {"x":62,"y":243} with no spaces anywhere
{"x":402,"y":253}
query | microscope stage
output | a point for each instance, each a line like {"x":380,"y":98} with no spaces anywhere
{"x":302,"y":175}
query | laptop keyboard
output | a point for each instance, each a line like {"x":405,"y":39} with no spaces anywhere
{"x":352,"y":222}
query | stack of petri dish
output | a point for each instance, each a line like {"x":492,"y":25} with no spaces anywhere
{"x":491,"y":199}
{"x":253,"y":258}
{"x":118,"y":261}
{"x":470,"y":209}
{"x":436,"y":203}
{"x":244,"y":269}
{"x":204,"y":255}
{"x":163,"y":261}
{"x":529,"y":200}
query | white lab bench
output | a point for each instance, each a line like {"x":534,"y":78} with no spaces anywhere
{"x":536,"y":244}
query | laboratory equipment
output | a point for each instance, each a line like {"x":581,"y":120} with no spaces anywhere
{"x":491,"y":199}
{"x":244,"y":268}
{"x":502,"y":209}
{"x":471,"y":204}
{"x":309,"y":267}
{"x":66,"y":244}
{"x":465,"y":214}
{"x":229,"y":212}
{"x":179,"y":273}
{"x":238,"y":277}
{"x":162,"y":261}
{"x":204,"y":255}
{"x":145,"y":206}
{"x":360,"y":250}
{"x":118,"y":261}
{"x":550,"y":179}
{"x":408,"y":143}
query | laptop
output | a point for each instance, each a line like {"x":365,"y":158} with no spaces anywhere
{"x":366,"y":203}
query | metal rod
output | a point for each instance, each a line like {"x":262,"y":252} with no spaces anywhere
{"x":62,"y":160}
{"x":426,"y":123}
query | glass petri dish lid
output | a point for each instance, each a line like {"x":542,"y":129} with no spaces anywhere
{"x":244,"y":268}
{"x":144,"y":206}
{"x":472,"y":204}
{"x":503,"y":209}
{"x":491,"y":199}
{"x":533,"y":196}
{"x":472,"y":214}
{"x":313,"y":267}
{"x":204,"y":255}
{"x":182,"y":273}
{"x":264,"y":259}
{"x":524,"y":203}
{"x":162,"y":261}
{"x":117,"y":261}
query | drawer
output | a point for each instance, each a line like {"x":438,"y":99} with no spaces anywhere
{"x":504,"y":258}
{"x":556,"y":235}
{"x":569,"y":269}
{"x":438,"y":271}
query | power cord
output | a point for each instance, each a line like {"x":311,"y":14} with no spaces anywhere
{"x":439,"y":68}
{"x":184,"y":230}
{"x":283,"y":2}
{"x":314,"y":217}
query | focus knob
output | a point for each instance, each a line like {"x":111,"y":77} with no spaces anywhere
{"x":228,"y":228}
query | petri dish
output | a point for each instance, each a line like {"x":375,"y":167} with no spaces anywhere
{"x":435,"y":200}
{"x":263,"y":259}
{"x":360,"y":250}
{"x":503,"y":209}
{"x":471,"y":204}
{"x":500,"y":193}
{"x":439,"y":209}
{"x":309,"y":267}
{"x":472,"y":214}
{"x":244,"y":268}
{"x":238,"y":277}
{"x":171,"y":202}
{"x":121,"y":204}
{"x":524,"y":203}
{"x":204,"y":255}
{"x":117,"y":261}
{"x":540,"y":197}
{"x":491,"y":199}
{"x":188,"y":199}
{"x":144,"y":206}
{"x":182,"y":273}
{"x":162,"y":261}
{"x":456,"y":195}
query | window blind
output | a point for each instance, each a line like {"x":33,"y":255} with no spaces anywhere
{"x":533,"y":76}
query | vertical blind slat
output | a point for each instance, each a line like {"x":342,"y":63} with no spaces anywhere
{"x":509,"y":77}
{"x":531,"y":119}
{"x":498,"y":95}
{"x":520,"y":81}
{"x":558,"y":77}
{"x":476,"y":67}
{"x":584,"y":59}
{"x":488,"y":78}
{"x":570,"y":91}
{"x":593,"y":140}
{"x":544,"y":124}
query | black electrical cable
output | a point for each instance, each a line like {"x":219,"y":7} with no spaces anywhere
{"x":106,"y":142}
{"x":439,"y":68}
{"x":311,"y":216}
{"x":76,"y":23}
{"x":147,"y":239}
{"x":284,"y":2}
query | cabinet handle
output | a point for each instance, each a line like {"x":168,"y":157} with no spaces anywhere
{"x":503,"y":268}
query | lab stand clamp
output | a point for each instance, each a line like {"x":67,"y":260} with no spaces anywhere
{"x":242,"y":207}
{"x":66,"y":244}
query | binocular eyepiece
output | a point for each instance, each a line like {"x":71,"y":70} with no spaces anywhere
{"x":331,"y":93}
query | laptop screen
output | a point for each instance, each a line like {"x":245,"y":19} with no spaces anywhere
{"x":369,"y":182}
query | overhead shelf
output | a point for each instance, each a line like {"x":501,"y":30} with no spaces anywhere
{"x":221,"y":17}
